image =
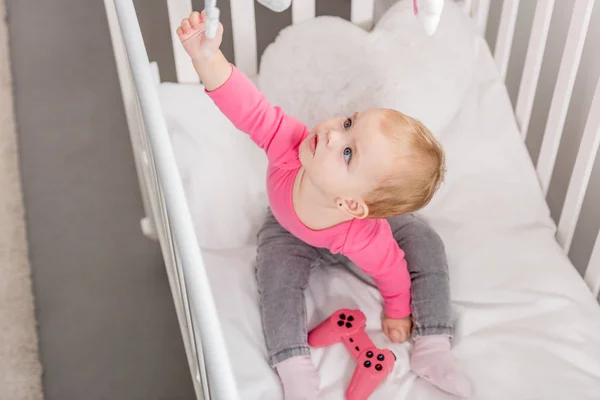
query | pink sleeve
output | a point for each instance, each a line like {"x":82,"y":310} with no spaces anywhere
{"x":371,"y":246}
{"x":250,"y":112}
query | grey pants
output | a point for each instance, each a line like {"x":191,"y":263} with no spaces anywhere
{"x":284,"y":263}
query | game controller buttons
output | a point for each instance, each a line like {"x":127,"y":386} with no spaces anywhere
{"x":368,"y":364}
{"x":369,"y":354}
{"x":380,"y":357}
{"x":343,"y":318}
{"x":378,"y":367}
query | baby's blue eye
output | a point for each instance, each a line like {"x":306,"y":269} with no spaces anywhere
{"x":347,"y":123}
{"x":348,"y":154}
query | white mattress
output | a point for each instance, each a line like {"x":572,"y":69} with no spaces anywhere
{"x":527,"y":326}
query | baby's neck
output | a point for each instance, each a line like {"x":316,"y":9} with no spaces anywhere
{"x":314,"y":209}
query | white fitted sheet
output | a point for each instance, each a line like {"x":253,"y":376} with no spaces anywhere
{"x":527,"y":326}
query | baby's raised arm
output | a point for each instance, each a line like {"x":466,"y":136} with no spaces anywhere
{"x":236,"y":96}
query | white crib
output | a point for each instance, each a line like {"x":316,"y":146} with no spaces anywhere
{"x":168,"y":218}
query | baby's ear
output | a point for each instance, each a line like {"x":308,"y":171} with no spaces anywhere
{"x":354,"y":208}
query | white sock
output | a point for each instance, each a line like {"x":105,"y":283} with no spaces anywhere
{"x":432,"y":360}
{"x":299,"y":377}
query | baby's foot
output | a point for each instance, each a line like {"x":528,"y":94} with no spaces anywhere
{"x":299,"y":378}
{"x":432,"y":360}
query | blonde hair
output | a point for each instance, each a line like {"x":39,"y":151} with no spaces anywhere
{"x":407,"y":190}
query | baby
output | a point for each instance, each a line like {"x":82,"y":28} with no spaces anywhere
{"x":342,"y":192}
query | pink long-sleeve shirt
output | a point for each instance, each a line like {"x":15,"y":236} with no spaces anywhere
{"x":369,"y":243}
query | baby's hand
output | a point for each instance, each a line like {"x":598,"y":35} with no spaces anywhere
{"x":398,"y":330}
{"x":196,"y":44}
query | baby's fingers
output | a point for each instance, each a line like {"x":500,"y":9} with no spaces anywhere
{"x":195,"y":19}
{"x":185,"y":25}
{"x":386,"y":329}
{"x":404,"y":335}
{"x":397,"y":336}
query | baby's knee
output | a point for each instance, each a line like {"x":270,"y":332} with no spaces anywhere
{"x":278,"y":275}
{"x":412,"y":225}
{"x":422,"y":228}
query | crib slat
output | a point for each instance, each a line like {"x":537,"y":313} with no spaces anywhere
{"x":506,"y":30}
{"x":483,"y":10}
{"x":467,"y":7}
{"x":361,"y":13}
{"x":303,"y":10}
{"x":592,"y":273}
{"x":243,"y":25}
{"x":533,"y":63}
{"x":578,"y":27}
{"x":586,"y":156}
{"x":179,"y":9}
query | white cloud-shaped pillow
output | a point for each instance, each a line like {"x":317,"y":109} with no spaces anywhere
{"x":328,"y":67}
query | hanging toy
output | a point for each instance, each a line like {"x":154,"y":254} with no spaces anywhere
{"x":429,"y":13}
{"x":213,"y":12}
{"x":212,"y":18}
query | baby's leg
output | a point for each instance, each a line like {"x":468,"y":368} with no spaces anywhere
{"x":431,"y":357}
{"x":282,"y":271}
{"x":430,"y":287}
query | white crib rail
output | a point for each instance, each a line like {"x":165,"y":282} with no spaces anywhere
{"x":196,"y":310}
{"x":506,"y":31}
{"x":303,"y":10}
{"x":592,"y":274}
{"x":243,"y":27}
{"x":361,"y":13}
{"x":533,"y":63}
{"x":134,"y":119}
{"x":481,"y":15}
{"x":177,"y":10}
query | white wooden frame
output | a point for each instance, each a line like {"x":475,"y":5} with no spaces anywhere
{"x":167,"y":216}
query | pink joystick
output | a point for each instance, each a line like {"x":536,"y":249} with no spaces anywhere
{"x":373,"y":364}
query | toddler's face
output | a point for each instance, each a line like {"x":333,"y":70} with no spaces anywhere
{"x":346,"y":157}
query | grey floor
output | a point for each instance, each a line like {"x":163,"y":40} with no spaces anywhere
{"x":107,"y":324}
{"x":106,"y":319}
